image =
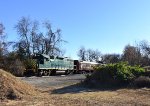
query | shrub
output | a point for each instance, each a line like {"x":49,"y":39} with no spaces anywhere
{"x":126,"y":73}
{"x":115,"y":74}
{"x":141,"y":81}
{"x":30,"y":66}
{"x":17,"y":68}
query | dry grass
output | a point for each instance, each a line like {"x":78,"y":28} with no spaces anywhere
{"x":121,"y":97}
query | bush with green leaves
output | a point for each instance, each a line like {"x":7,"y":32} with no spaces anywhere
{"x":124,"y":72}
{"x":114,"y":74}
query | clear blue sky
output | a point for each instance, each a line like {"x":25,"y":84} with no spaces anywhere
{"x":106,"y":25}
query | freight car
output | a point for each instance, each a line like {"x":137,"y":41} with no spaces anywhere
{"x":50,"y":65}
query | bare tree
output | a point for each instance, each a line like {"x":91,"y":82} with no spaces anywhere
{"x":3,"y":48}
{"x":39,"y":43}
{"x":52,"y":40}
{"x":2,"y":28}
{"x":145,"y":50}
{"x":35,"y":41}
{"x":93,"y":55}
{"x":3,"y":43}
{"x":97,"y":55}
{"x":82,"y":53}
{"x":34,"y":35}
{"x":132,"y":55}
{"x":145,"y":47}
{"x":111,"y":58}
{"x":89,"y":54}
{"x":23,"y":28}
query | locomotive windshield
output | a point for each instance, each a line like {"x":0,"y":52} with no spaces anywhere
{"x":41,"y":61}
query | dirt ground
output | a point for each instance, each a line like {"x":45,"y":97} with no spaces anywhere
{"x":65,"y":91}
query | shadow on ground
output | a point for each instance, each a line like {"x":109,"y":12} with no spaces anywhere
{"x":78,"y":88}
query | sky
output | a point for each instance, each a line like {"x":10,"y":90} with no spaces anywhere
{"x":106,"y":25}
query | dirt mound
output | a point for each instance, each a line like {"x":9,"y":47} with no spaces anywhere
{"x":13,"y":88}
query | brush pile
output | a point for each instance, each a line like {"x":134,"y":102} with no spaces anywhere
{"x":13,"y":88}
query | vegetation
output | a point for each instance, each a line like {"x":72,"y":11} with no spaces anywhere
{"x":89,"y":54}
{"x":134,"y":55}
{"x":111,"y":58}
{"x":32,"y":40}
{"x":114,"y":75}
{"x":142,"y":81}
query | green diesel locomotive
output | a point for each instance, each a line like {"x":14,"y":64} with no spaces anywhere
{"x":49,"y":65}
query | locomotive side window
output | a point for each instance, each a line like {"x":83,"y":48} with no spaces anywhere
{"x":47,"y":59}
{"x":41,"y":61}
{"x":51,"y":57}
